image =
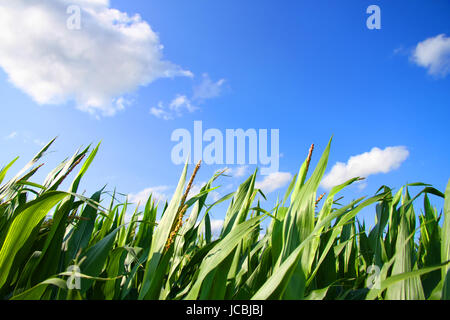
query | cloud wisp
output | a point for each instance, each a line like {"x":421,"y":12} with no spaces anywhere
{"x":239,"y":171}
{"x":25,"y":137}
{"x":164,"y":193}
{"x":181,"y":104}
{"x":208,"y":89}
{"x":158,"y":193}
{"x":175,"y":108}
{"x":11,"y":136}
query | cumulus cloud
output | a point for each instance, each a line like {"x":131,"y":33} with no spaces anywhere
{"x":274,"y":181}
{"x":112,"y":53}
{"x":363,"y":165}
{"x":158,"y":193}
{"x":434,"y":55}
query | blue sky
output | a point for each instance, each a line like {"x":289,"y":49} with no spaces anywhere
{"x":311,"y":69}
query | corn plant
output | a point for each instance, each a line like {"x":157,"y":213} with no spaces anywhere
{"x":63,"y":245}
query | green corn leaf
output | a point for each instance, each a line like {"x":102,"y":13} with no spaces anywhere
{"x":95,"y":258}
{"x":22,"y":228}
{"x":161,"y":235}
{"x":4,"y":170}
{"x":445,"y":245}
{"x":38,"y":290}
{"x":220,"y":252}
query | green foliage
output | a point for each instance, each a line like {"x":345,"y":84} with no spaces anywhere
{"x":62,"y":245}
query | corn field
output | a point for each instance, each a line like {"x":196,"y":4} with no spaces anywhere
{"x":62,"y":245}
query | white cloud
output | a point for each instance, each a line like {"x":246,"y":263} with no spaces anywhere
{"x":181,"y":103}
{"x":26,"y":137}
{"x":39,"y":142}
{"x":434,"y":54}
{"x":240,"y":171}
{"x":195,"y":189}
{"x":274,"y":181}
{"x":111,"y":55}
{"x":175,"y":108}
{"x":159,"y":112}
{"x":10,"y":136}
{"x":399,"y":50}
{"x":158,"y":193}
{"x":237,"y":172}
{"x":366,"y":164}
{"x":216,"y":226}
{"x":121,"y":103}
{"x":208,"y":89}
{"x":215,"y":195}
